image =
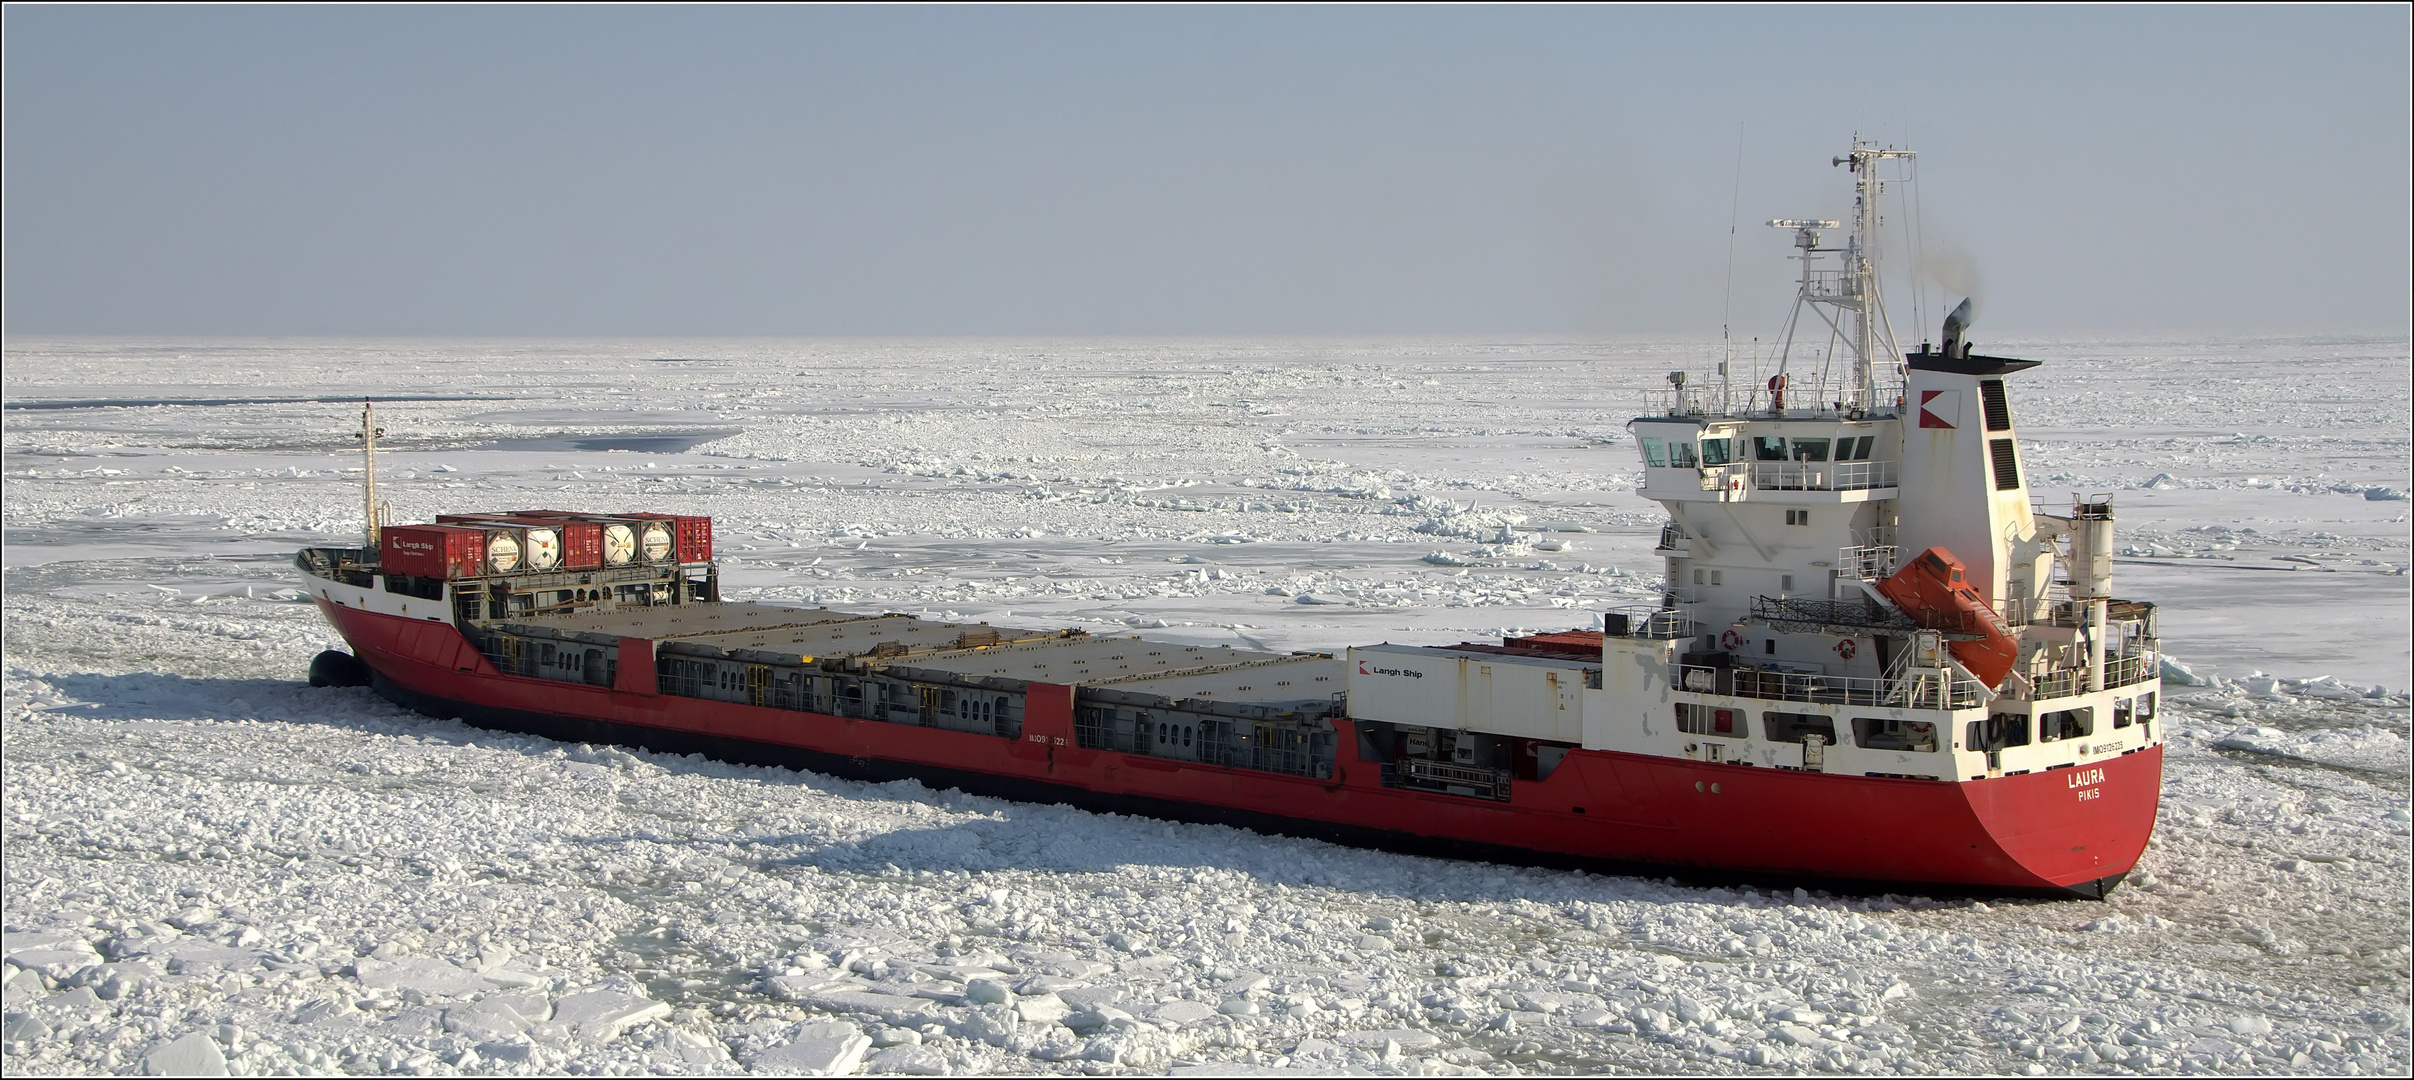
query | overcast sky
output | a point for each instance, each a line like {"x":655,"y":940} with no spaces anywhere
{"x":1071,"y":171}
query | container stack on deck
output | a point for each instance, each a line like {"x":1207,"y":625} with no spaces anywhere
{"x":525,"y":562}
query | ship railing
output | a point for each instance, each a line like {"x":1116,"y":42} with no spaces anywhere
{"x":1830,"y":285}
{"x":1660,"y":625}
{"x":1805,"y":400}
{"x":2127,"y":669}
{"x":1443,"y":775}
{"x":1683,"y":401}
{"x":2132,"y":669}
{"x":1822,"y":475}
{"x":1913,"y":690}
{"x":1868,"y":562}
{"x":2056,"y":608}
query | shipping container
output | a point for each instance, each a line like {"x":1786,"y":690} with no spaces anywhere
{"x":1529,"y":697}
{"x":657,"y":537}
{"x":619,"y":543}
{"x":503,"y":550}
{"x":695,"y":539}
{"x":431,"y":551}
{"x":582,"y":545}
{"x":549,"y":539}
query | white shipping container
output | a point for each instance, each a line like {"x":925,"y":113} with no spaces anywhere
{"x":1519,"y":696}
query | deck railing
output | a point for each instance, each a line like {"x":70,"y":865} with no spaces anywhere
{"x":1822,"y":475}
{"x":1659,"y":625}
{"x":1918,"y":690}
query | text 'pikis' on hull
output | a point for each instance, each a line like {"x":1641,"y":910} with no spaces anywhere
{"x":1874,"y":661}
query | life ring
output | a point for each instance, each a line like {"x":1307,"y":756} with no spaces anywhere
{"x":1846,"y":648}
{"x":1731,"y":640}
{"x":1777,"y":393}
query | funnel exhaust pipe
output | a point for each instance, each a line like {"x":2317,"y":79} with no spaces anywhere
{"x":1957,"y":324}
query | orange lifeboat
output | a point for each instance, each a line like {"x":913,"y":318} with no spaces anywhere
{"x":1936,"y":593}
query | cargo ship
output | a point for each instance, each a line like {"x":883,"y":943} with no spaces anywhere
{"x":1875,"y":662}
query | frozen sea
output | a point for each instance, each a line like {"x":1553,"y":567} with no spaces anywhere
{"x":210,"y":865}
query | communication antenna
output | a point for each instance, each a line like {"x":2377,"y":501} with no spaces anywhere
{"x":1726,"y":315}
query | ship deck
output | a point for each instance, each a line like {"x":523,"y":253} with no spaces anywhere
{"x":1131,"y":667}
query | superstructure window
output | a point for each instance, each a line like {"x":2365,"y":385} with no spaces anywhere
{"x":1791,"y":727}
{"x":1997,"y":731}
{"x":1797,"y":517}
{"x":1718,"y":451}
{"x":1768,"y":448}
{"x":1693,"y":719}
{"x":1810,"y":449}
{"x":1655,"y":452}
{"x":1874,"y":733}
{"x":2066,"y":724}
{"x":1849,"y":449}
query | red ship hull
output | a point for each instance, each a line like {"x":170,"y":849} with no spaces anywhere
{"x":2066,"y":832}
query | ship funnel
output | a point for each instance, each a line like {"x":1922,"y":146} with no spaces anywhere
{"x":1956,"y":325}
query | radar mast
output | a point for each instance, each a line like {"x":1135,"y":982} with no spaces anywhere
{"x":1847,"y":298}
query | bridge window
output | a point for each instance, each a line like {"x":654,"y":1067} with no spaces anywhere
{"x":1655,"y":452}
{"x":1680,"y":455}
{"x":1768,"y":448}
{"x":1718,"y":451}
{"x":1810,"y":449}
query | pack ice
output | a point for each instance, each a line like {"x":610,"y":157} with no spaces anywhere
{"x":213,"y":869}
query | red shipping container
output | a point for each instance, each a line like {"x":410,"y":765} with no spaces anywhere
{"x":695,"y":539}
{"x":431,"y":551}
{"x":582,"y":545}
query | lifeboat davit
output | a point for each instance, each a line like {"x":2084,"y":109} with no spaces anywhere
{"x":1936,"y":593}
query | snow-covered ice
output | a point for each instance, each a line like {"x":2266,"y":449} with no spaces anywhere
{"x":213,"y":867}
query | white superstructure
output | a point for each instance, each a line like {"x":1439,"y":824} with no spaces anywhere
{"x":1789,"y":504}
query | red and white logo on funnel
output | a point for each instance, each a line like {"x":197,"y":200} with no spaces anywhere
{"x":1939,"y":408}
